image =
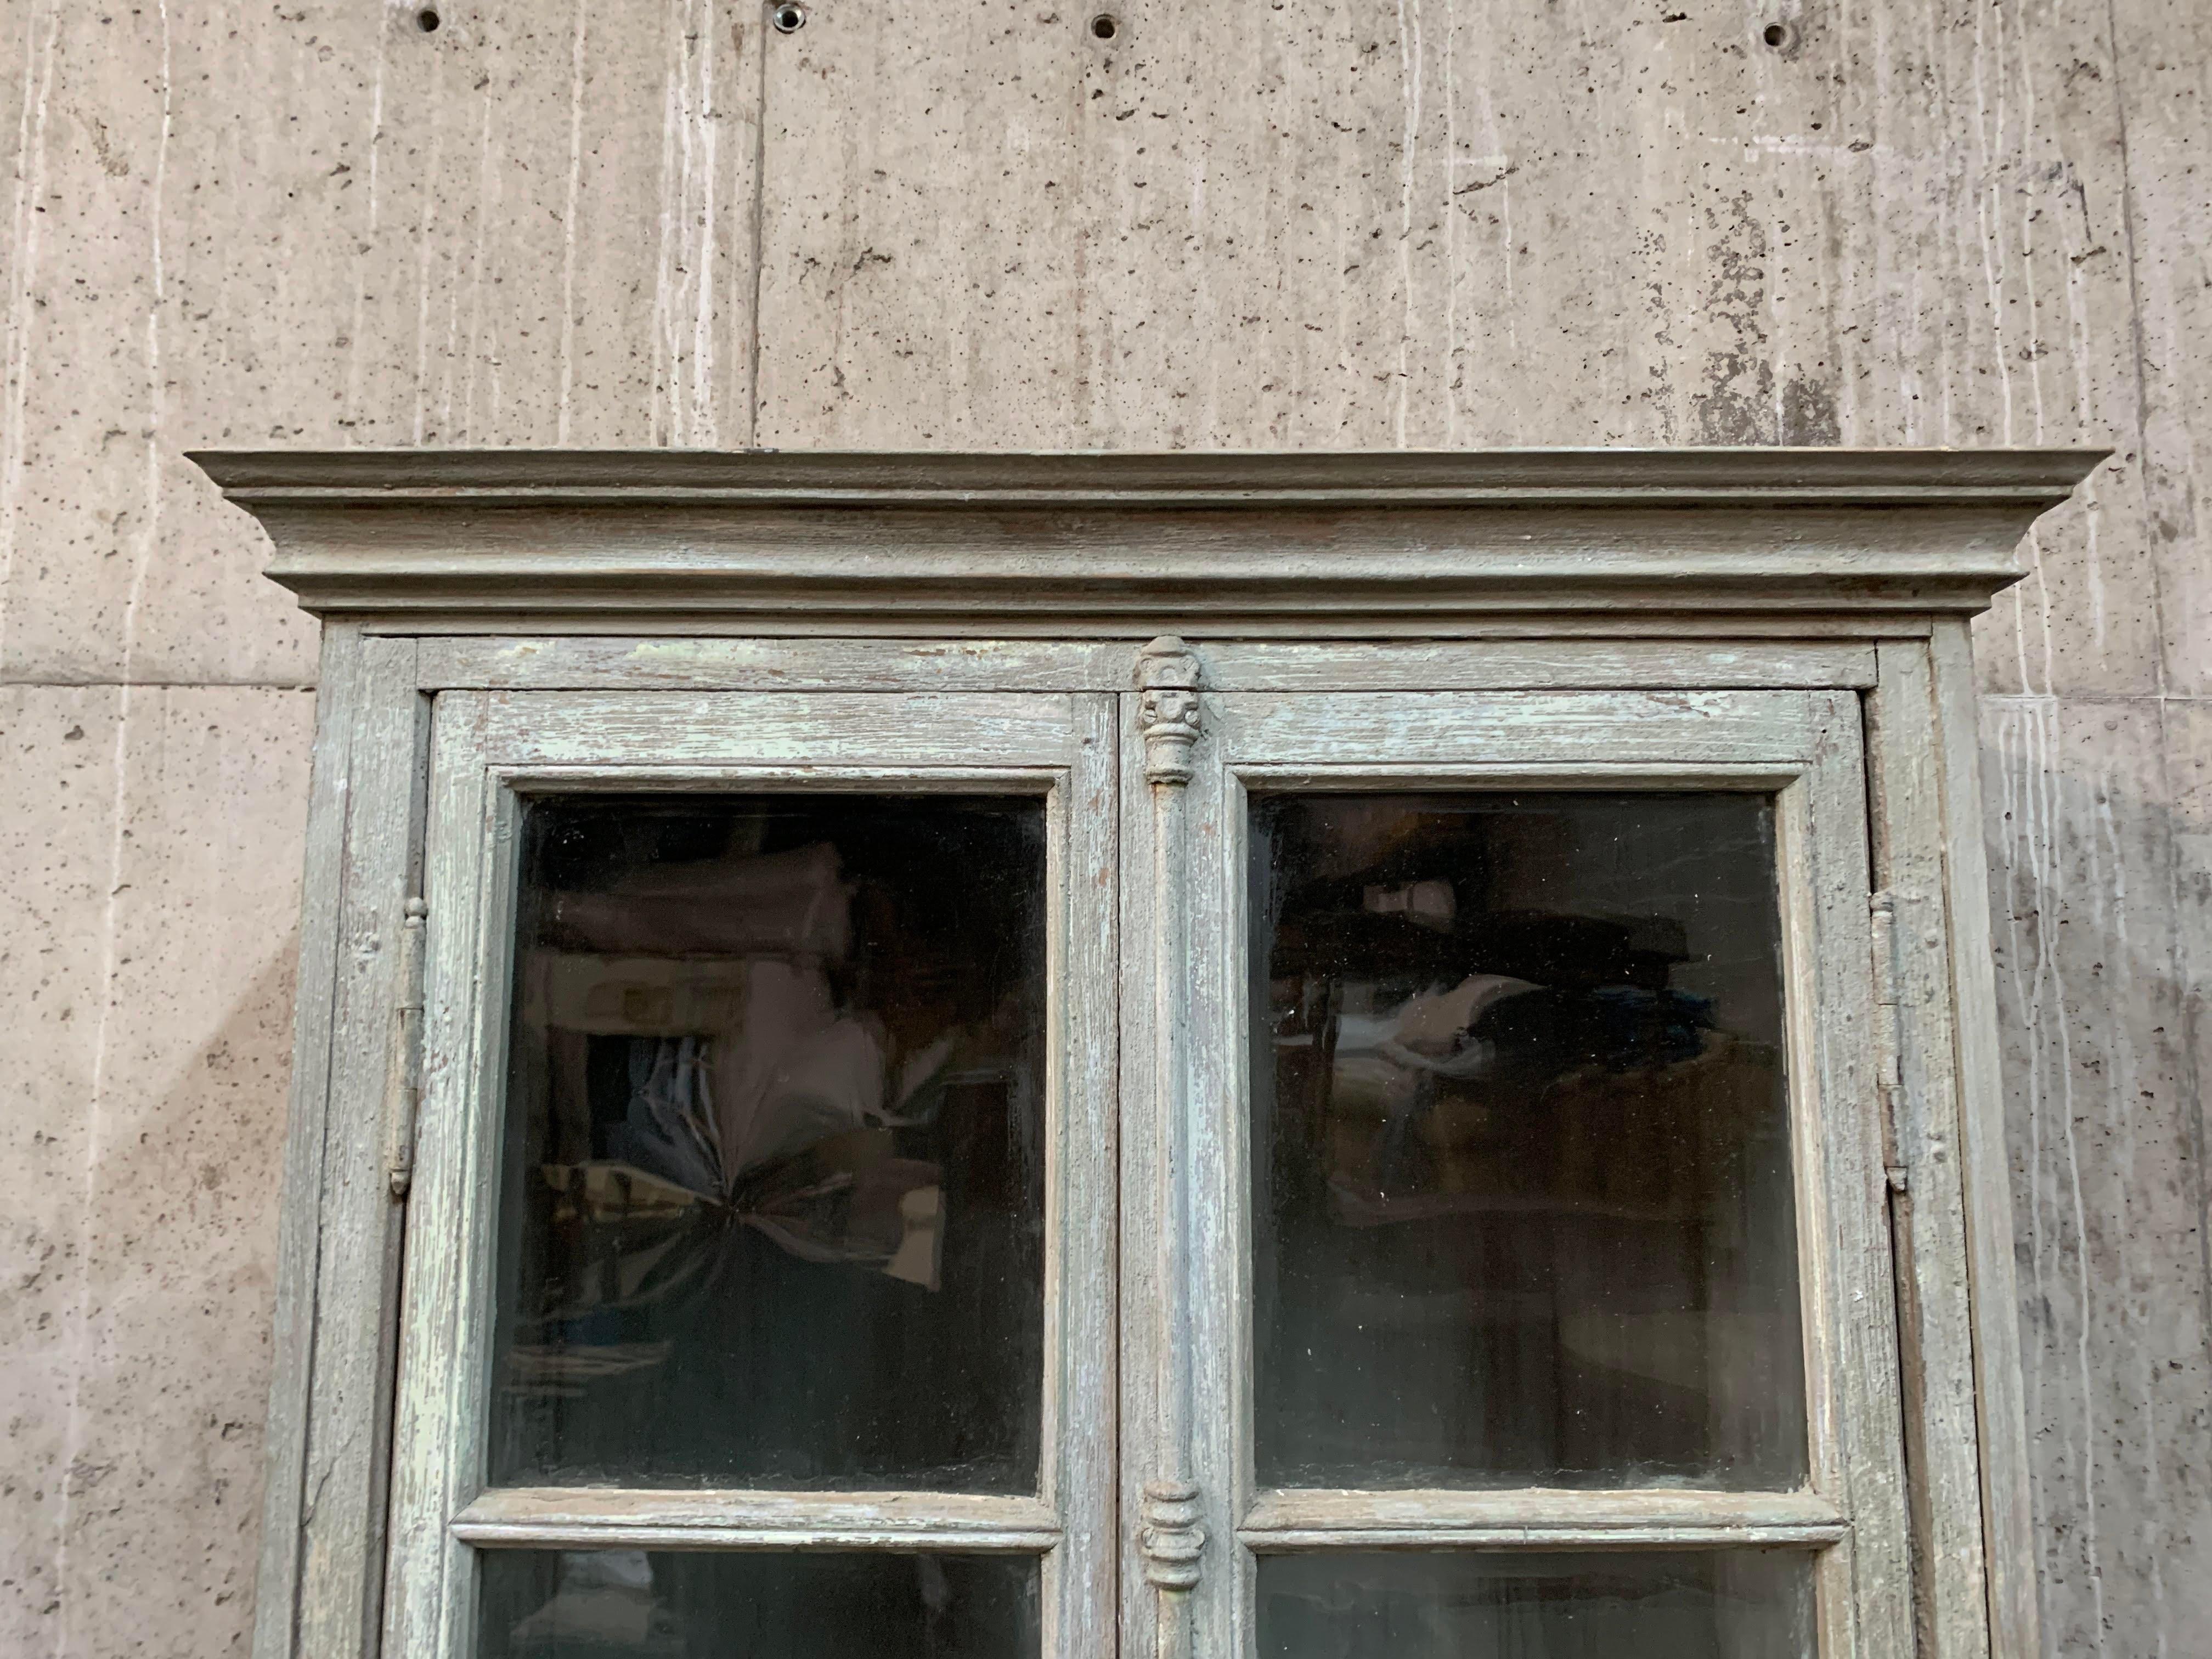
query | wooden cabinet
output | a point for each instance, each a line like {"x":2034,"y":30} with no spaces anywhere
{"x":1183,"y":1055}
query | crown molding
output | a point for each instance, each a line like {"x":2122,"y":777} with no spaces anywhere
{"x":1115,"y":543}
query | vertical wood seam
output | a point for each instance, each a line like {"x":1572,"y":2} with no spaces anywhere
{"x":284,"y":1501}
{"x":1170,"y":1538}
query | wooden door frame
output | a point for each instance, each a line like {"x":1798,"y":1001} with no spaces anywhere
{"x":492,"y":751}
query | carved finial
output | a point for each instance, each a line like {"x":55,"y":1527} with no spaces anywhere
{"x":1171,"y":1538}
{"x":1167,"y":714}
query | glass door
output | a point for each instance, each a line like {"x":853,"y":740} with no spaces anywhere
{"x":760,"y":1265}
{"x":1503,"y":1193}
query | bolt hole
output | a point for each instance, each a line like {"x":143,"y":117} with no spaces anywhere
{"x":426,"y":20}
{"x":1778,"y":35}
{"x":1105,"y":26}
{"x":789,"y":20}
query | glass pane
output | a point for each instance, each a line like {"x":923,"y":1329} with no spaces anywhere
{"x":1712,"y":1604}
{"x":1520,"y":1158}
{"x":601,"y":1604}
{"x":773,"y":1199}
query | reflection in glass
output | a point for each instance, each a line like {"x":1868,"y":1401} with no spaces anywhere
{"x":1709,"y":1604}
{"x":627,"y":1604}
{"x":1521,"y":1167}
{"x":772,"y":1200}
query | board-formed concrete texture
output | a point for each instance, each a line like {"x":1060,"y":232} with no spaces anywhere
{"x":1279,"y":224}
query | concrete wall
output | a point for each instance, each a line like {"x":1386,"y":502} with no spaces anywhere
{"x":1265,"y":222}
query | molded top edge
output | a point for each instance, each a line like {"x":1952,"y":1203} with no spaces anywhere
{"x":1106,"y":479}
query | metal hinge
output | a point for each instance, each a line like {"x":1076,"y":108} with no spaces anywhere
{"x":403,"y":1075}
{"x":1881,"y":910}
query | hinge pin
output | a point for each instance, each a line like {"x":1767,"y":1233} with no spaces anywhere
{"x":404,"y":1075}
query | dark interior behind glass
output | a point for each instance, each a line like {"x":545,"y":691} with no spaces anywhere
{"x":1522,"y":1194}
{"x":1627,"y":1604}
{"x":772,"y":1190}
{"x":630,"y":1604}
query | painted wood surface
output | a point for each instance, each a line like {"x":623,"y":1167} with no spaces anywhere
{"x":469,"y":872}
{"x":599,"y":1518}
{"x":692,"y":663}
{"x":1538,"y":1519}
{"x":1379,"y":732}
{"x":341,"y":1538}
{"x":1075,"y":544}
{"x":833,"y":730}
{"x":486,"y":744}
{"x":1864,"y":1594}
{"x":298,"y":1243}
{"x":1179,"y":1453}
{"x":1929,"y":1217}
{"x":1168,"y":1603}
{"x":1807,"y":746}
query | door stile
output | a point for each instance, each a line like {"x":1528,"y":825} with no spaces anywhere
{"x":1167,"y":1511}
{"x":1942,"y":1444}
{"x":1082,"y":1426}
{"x":468,"y":885}
{"x":1865,"y":1601}
{"x":330,"y":800}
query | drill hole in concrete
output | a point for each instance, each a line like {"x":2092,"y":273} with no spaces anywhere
{"x":1105,"y":26}
{"x":426,"y":20}
{"x":1780,"y":36}
{"x":789,"y":20}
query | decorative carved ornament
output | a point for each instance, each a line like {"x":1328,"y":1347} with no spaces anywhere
{"x":1170,"y":1537}
{"x":1167,"y":714}
{"x":1172,"y":1543}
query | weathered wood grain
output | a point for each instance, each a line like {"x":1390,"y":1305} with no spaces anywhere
{"x":467,"y":885}
{"x":1376,"y":730}
{"x":1928,"y":1214}
{"x":1850,"y":1297}
{"x":833,"y":730}
{"x":693,"y":663}
{"x":1180,"y":1176}
{"x":1537,"y":1518}
{"x":1530,"y":664}
{"x":1078,"y":544}
{"x":341,"y":1535}
{"x":589,"y":663}
{"x":1083,"y":1214}
{"x":299,"y":1239}
{"x":598,"y":1518}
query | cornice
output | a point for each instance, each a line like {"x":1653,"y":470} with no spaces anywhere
{"x":1116,"y":542}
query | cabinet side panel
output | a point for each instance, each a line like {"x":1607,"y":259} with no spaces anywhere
{"x":1928,"y":1220}
{"x":341,"y":1524}
{"x":298,"y":1229}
